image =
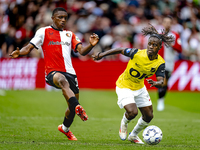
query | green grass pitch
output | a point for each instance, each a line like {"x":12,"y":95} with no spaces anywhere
{"x":29,"y":120}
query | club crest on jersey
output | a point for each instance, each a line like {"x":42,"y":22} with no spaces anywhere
{"x":153,"y":69}
{"x":68,"y":34}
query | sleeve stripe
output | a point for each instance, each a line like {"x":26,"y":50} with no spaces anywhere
{"x":33,"y":45}
{"x":77,"y":46}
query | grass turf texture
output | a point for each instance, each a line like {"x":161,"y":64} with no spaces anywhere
{"x":29,"y":120}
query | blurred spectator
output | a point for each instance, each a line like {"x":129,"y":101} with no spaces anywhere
{"x":85,"y":21}
{"x":185,"y":34}
{"x":176,"y":26}
{"x":122,"y":34}
{"x":9,"y":43}
{"x":106,"y":43}
{"x":121,"y":19}
{"x":187,"y":11}
{"x":44,"y":15}
{"x":103,"y":26}
{"x":84,"y":43}
{"x":167,"y":6}
{"x":4,"y":21}
{"x":25,"y":32}
{"x":193,"y":49}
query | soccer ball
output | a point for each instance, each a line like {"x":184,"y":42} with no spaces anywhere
{"x":152,"y":135}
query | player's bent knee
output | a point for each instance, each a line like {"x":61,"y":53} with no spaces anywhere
{"x":132,"y":114}
{"x":63,"y":83}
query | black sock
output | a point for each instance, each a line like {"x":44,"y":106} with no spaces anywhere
{"x":73,"y":103}
{"x":67,"y":122}
{"x":162,"y":91}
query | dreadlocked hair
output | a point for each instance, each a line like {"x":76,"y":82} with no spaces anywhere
{"x":167,"y":39}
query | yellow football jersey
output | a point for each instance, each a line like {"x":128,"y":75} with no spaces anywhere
{"x":139,"y":67}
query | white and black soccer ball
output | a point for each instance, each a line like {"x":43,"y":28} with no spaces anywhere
{"x":152,"y":135}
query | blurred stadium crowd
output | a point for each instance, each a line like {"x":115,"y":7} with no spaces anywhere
{"x":117,"y":22}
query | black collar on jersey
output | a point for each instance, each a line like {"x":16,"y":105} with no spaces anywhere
{"x":56,"y":29}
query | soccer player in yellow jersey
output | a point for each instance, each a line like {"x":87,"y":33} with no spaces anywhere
{"x":130,"y":88}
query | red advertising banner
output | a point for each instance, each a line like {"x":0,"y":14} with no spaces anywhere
{"x":186,"y":76}
{"x":28,"y":73}
{"x":100,"y":74}
{"x":22,"y":73}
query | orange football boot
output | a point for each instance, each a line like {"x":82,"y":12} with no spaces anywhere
{"x":81,"y":112}
{"x":69,"y":134}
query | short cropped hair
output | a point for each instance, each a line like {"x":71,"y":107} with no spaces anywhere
{"x":58,"y":9}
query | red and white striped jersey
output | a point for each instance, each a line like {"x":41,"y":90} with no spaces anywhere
{"x":56,"y":46}
{"x":169,"y":53}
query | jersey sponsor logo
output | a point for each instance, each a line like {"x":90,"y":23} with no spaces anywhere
{"x":58,"y":43}
{"x":137,"y":74}
{"x":68,"y":34}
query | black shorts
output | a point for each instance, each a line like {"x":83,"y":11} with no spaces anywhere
{"x":168,"y":74}
{"x":72,"y":79}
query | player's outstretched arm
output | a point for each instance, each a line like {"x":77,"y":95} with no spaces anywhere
{"x":24,"y":51}
{"x":100,"y":55}
{"x":94,"y":39}
{"x":158,"y":83}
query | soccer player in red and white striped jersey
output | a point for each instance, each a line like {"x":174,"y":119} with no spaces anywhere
{"x":56,"y":44}
{"x":168,"y":53}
